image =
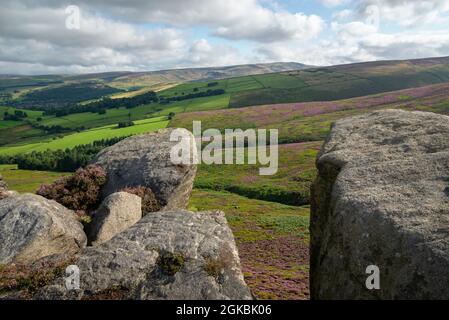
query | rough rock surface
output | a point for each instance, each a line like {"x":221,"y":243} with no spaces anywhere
{"x":168,"y":255}
{"x":3,"y":184}
{"x":382,"y":198}
{"x":144,"y":160}
{"x":32,"y":227}
{"x":118,"y":212}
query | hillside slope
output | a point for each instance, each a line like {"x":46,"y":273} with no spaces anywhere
{"x":348,"y":81}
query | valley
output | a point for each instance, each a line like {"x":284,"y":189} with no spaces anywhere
{"x":267,"y":214}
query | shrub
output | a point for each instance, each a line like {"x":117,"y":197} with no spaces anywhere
{"x":27,"y":279}
{"x":125,"y":124}
{"x":170,"y":263}
{"x":79,"y":192}
{"x":149,"y":201}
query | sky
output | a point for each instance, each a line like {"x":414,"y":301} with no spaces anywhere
{"x":83,"y":36}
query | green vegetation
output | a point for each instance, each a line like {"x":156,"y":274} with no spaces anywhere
{"x":100,"y":106}
{"x":63,"y":95}
{"x":272,"y":239}
{"x":269,"y":215}
{"x":88,"y":136}
{"x":170,"y":263}
{"x":27,"y":180}
{"x":290,"y":185}
{"x":67,"y":160}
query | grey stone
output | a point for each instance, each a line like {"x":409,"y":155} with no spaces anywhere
{"x":32,"y":227}
{"x":380,"y":199}
{"x":144,"y":160}
{"x":166,"y":255}
{"x":118,"y":212}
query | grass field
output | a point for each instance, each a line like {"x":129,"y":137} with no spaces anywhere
{"x":290,"y":185}
{"x":269,"y":215}
{"x":272,"y":240}
{"x":89,"y":136}
{"x":27,"y":180}
{"x":300,"y":122}
{"x":319,"y":84}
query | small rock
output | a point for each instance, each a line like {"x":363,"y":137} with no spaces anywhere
{"x":118,"y":212}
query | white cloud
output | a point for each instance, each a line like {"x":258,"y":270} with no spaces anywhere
{"x":357,"y":41}
{"x":150,"y":34}
{"x":333,"y":3}
{"x":274,"y":27}
{"x":408,"y":12}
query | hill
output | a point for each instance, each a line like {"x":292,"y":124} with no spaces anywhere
{"x":91,"y":86}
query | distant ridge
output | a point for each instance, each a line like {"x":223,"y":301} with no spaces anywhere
{"x":182,"y":74}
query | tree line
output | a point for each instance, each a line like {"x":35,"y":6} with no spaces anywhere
{"x":207,"y":93}
{"x":100,"y":106}
{"x":17,"y":116}
{"x":68,"y":160}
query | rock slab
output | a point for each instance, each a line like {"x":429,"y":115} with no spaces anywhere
{"x":166,"y":255}
{"x":144,"y":160}
{"x":118,"y":212}
{"x":382,"y":198}
{"x":32,"y":227}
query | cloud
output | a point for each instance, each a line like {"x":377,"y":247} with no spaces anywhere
{"x":231,"y":19}
{"x":407,"y":12}
{"x":274,"y":27}
{"x":150,"y":34}
{"x":357,"y":41}
{"x":333,"y":3}
{"x":38,"y":36}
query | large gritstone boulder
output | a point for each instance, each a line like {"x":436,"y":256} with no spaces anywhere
{"x":118,"y":212}
{"x":381,"y":199}
{"x":144,"y":160}
{"x":166,"y":255}
{"x":32,"y":227}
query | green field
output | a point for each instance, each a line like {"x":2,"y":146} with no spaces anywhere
{"x":269,"y":215}
{"x":301,"y":122}
{"x":27,"y":180}
{"x":272,"y":240}
{"x":290,"y":185}
{"x":88,"y":136}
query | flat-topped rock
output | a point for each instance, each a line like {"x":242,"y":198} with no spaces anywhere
{"x":166,"y":255}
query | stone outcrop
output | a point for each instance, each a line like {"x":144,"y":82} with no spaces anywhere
{"x":166,"y":255}
{"x":144,"y":160}
{"x":32,"y":227}
{"x":382,"y":198}
{"x":118,"y":212}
